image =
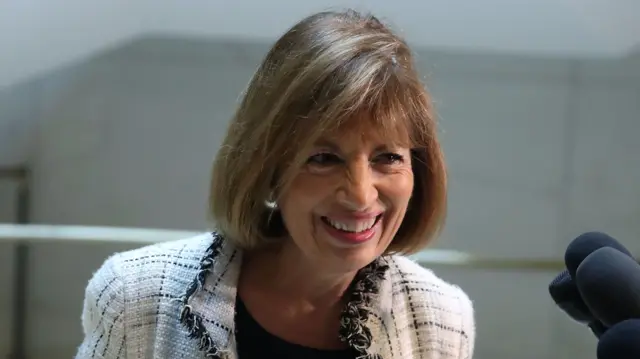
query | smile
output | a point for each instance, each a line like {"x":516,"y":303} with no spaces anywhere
{"x":352,"y":226}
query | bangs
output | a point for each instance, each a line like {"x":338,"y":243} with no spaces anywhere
{"x":390,"y":113}
{"x":385,"y":102}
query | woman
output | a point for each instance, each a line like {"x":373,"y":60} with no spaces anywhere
{"x":329,"y":172}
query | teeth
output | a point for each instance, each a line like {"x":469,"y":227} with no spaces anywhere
{"x":352,"y":226}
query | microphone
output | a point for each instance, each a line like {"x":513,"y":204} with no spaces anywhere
{"x":563,"y":289}
{"x":584,"y":245}
{"x":621,"y":341}
{"x":601,"y":287}
{"x":565,"y":294}
{"x":609,"y":282}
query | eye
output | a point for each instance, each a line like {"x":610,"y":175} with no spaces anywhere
{"x":389,"y":159}
{"x":323,"y":159}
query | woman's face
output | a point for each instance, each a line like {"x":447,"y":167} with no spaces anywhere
{"x":348,"y":200}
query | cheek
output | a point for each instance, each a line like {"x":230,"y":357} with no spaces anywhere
{"x":305,"y":194}
{"x":400,"y":188}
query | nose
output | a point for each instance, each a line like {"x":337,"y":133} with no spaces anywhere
{"x":358,"y":191}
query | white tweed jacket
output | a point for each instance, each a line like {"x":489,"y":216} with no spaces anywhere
{"x":177,"y":300}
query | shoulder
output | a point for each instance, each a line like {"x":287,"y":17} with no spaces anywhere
{"x":424,"y":283}
{"x":154,"y":266}
{"x":132,"y":289}
{"x":150,"y":259}
{"x":434,"y":303}
{"x":159,"y":270}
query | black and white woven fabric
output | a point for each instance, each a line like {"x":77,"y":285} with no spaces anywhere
{"x":177,"y":300}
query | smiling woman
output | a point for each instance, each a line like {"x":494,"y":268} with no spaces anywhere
{"x":329,"y":174}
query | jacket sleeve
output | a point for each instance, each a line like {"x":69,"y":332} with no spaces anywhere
{"x":468,"y":326}
{"x":103,"y":315}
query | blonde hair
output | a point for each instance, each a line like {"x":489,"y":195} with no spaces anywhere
{"x":328,"y":69}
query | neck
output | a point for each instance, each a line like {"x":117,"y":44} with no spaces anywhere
{"x":289,"y":273}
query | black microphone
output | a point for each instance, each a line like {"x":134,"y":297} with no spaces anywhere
{"x":621,"y":341}
{"x":584,"y":245}
{"x":565,"y":294}
{"x":563,"y":289}
{"x":609,"y":282}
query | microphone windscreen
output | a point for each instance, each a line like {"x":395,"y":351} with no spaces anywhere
{"x":586,"y":244}
{"x":565,"y":294}
{"x":597,"y":328}
{"x":609,"y":282}
{"x":621,"y":341}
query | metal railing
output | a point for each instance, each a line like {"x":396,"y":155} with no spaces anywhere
{"x":33,"y":233}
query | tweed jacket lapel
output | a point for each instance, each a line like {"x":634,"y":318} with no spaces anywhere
{"x":208,"y":305}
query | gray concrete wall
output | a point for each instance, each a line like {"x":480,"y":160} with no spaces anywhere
{"x":539,"y":151}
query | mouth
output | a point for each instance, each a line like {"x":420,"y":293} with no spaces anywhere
{"x":352,"y":226}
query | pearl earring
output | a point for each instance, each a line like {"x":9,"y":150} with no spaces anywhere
{"x":270,"y":203}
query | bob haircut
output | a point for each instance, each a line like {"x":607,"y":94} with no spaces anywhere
{"x":329,"y":69}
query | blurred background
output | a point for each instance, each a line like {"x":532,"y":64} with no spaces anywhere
{"x":116,"y":109}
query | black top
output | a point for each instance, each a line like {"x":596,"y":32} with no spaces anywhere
{"x":254,"y":342}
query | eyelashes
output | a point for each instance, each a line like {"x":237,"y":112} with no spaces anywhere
{"x":392,"y":158}
{"x":327,"y":159}
{"x":324,"y":159}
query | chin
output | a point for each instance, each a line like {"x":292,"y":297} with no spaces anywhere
{"x":353,"y":258}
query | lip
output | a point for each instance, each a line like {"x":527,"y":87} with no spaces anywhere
{"x":353,"y":238}
{"x":355,"y":216}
